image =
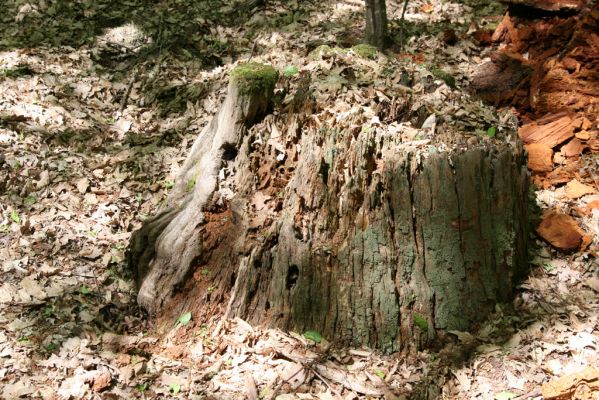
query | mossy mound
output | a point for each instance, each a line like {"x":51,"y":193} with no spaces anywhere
{"x":362,"y":50}
{"x":253,"y":77}
{"x":365,"y":51}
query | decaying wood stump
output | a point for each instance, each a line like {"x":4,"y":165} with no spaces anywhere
{"x":353,"y":233}
{"x":164,"y":249}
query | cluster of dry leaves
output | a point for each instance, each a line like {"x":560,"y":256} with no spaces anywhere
{"x":85,"y":156}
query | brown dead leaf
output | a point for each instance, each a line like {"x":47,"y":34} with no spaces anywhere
{"x":101,"y":381}
{"x":593,"y":283}
{"x":567,"y":386}
{"x":560,"y":230}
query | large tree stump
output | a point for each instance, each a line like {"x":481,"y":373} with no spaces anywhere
{"x":355,"y":234}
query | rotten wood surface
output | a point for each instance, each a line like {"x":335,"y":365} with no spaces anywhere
{"x":364,"y":238}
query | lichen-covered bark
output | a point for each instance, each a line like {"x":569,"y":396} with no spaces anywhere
{"x":366,"y":239}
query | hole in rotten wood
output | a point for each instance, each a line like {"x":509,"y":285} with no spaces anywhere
{"x":292,"y":275}
{"x":229,"y":152}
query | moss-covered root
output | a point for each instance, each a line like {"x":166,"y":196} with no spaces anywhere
{"x":254,"y":78}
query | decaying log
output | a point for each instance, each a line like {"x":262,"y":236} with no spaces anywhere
{"x":356,"y":234}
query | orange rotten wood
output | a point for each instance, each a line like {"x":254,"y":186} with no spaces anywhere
{"x":551,"y":130}
{"x":540,"y":157}
{"x":560,"y":230}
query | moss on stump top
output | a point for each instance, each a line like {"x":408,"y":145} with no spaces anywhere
{"x":253,"y":77}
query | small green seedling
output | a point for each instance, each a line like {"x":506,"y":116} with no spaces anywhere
{"x":30,"y":200}
{"x":142,"y":387}
{"x":379,"y":373}
{"x":313,"y":336}
{"x":14,"y":216}
{"x":290,"y":71}
{"x":174,"y":388}
{"x":491,"y":131}
{"x":183,"y":319}
{"x":50,"y":347}
{"x":85,"y":290}
{"x":505,"y":396}
{"x":168,"y":184}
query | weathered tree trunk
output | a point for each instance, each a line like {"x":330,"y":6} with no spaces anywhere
{"x":376,"y":23}
{"x":163,"y":251}
{"x":366,"y":239}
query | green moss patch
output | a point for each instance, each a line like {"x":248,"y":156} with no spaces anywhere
{"x":365,"y":51}
{"x":420,"y":322}
{"x":253,"y":77}
{"x":444,"y":76}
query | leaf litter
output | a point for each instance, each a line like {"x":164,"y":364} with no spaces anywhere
{"x":94,"y":124}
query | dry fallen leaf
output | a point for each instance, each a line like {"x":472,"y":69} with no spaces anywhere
{"x":566,"y":386}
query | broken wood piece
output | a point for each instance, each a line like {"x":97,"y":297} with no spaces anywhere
{"x":573,"y":148}
{"x":540,"y":157}
{"x":583,"y":135}
{"x":550,"y":133}
{"x":549,"y":5}
{"x":580,"y":384}
{"x":575,"y":189}
{"x":592,"y":205}
{"x":501,"y":80}
{"x":560,"y":230}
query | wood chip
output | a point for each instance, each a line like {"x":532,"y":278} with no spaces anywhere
{"x":575,"y":189}
{"x":581,"y":384}
{"x":548,"y":130}
{"x":593,"y":205}
{"x":583,"y":135}
{"x":539,"y":157}
{"x":560,"y":230}
{"x":573,"y":148}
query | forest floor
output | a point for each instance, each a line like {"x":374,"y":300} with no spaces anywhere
{"x":101,"y":101}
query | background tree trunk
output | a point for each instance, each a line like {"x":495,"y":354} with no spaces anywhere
{"x":376,"y":23}
{"x":364,"y":238}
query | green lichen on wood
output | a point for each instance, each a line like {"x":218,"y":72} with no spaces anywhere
{"x":420,"y":322}
{"x":253,"y":78}
{"x":365,"y":51}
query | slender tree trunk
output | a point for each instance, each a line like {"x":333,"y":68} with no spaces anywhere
{"x":358,"y":235}
{"x":376,"y":23}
